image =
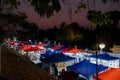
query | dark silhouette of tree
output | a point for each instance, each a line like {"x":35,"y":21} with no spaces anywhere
{"x":31,"y":30}
{"x":10,"y":20}
{"x":115,"y":16}
{"x":98,"y":19}
{"x":62,"y":25}
{"x":45,"y":7}
{"x":69,"y":34}
{"x":106,"y":26}
{"x":51,"y":33}
{"x":108,"y":35}
{"x":41,"y":34}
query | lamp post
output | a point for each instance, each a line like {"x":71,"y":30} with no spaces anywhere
{"x":101,"y":46}
{"x":96,"y":61}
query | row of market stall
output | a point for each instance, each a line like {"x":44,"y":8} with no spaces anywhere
{"x":70,"y":59}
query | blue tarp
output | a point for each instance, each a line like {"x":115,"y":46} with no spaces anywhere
{"x":85,"y":68}
{"x":105,"y":56}
{"x":43,"y":55}
{"x":49,"y":53}
{"x":57,"y":57}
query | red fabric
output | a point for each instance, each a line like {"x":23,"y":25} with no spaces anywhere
{"x":25,"y":47}
{"x":111,"y":74}
{"x":10,"y":42}
{"x":75,"y":50}
{"x":33,"y":49}
{"x":66,"y":50}
{"x":56,"y":47}
{"x":15,"y":44}
{"x":41,"y":45}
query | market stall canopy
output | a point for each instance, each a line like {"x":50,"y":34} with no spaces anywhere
{"x":104,"y":56}
{"x":41,"y":45}
{"x":111,"y":74}
{"x":10,"y":42}
{"x":57,"y":57}
{"x":85,"y":68}
{"x":60,"y":49}
{"x":33,"y":49}
{"x":56,"y":47}
{"x":25,"y":47}
{"x":48,"y":53}
{"x":75,"y":50}
{"x":66,"y":50}
{"x":15,"y":44}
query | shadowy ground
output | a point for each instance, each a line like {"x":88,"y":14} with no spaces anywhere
{"x":15,"y":66}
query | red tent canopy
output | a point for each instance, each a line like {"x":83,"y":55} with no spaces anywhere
{"x":66,"y":50}
{"x":75,"y":50}
{"x":56,"y":47}
{"x":15,"y":44}
{"x":10,"y":42}
{"x":25,"y":47}
{"x":41,"y":45}
{"x":33,"y":49}
{"x":111,"y":74}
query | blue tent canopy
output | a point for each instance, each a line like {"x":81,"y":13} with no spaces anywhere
{"x":105,"y":56}
{"x":57,"y":57}
{"x":85,"y":68}
{"x":49,"y":53}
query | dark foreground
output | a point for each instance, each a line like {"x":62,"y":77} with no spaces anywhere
{"x":14,"y":66}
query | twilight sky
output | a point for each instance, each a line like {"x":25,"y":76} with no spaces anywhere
{"x":63,"y":15}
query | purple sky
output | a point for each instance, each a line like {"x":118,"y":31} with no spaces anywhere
{"x":63,"y":15}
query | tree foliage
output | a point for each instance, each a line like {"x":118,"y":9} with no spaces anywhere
{"x":96,"y":17}
{"x":45,"y":7}
{"x":115,"y":16}
{"x":99,"y":19}
{"x":115,"y":1}
{"x":81,"y":6}
{"x":103,"y":19}
{"x":10,"y":4}
{"x":12,"y":20}
{"x":48,"y":8}
{"x":69,"y":34}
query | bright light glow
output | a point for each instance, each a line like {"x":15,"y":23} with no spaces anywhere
{"x":102,"y":46}
{"x":29,"y":40}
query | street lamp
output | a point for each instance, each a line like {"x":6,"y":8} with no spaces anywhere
{"x":101,"y":46}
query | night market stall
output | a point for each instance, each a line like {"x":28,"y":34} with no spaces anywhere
{"x":86,"y":69}
{"x":106,"y":60}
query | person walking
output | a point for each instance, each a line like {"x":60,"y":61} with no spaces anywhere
{"x":55,"y":71}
